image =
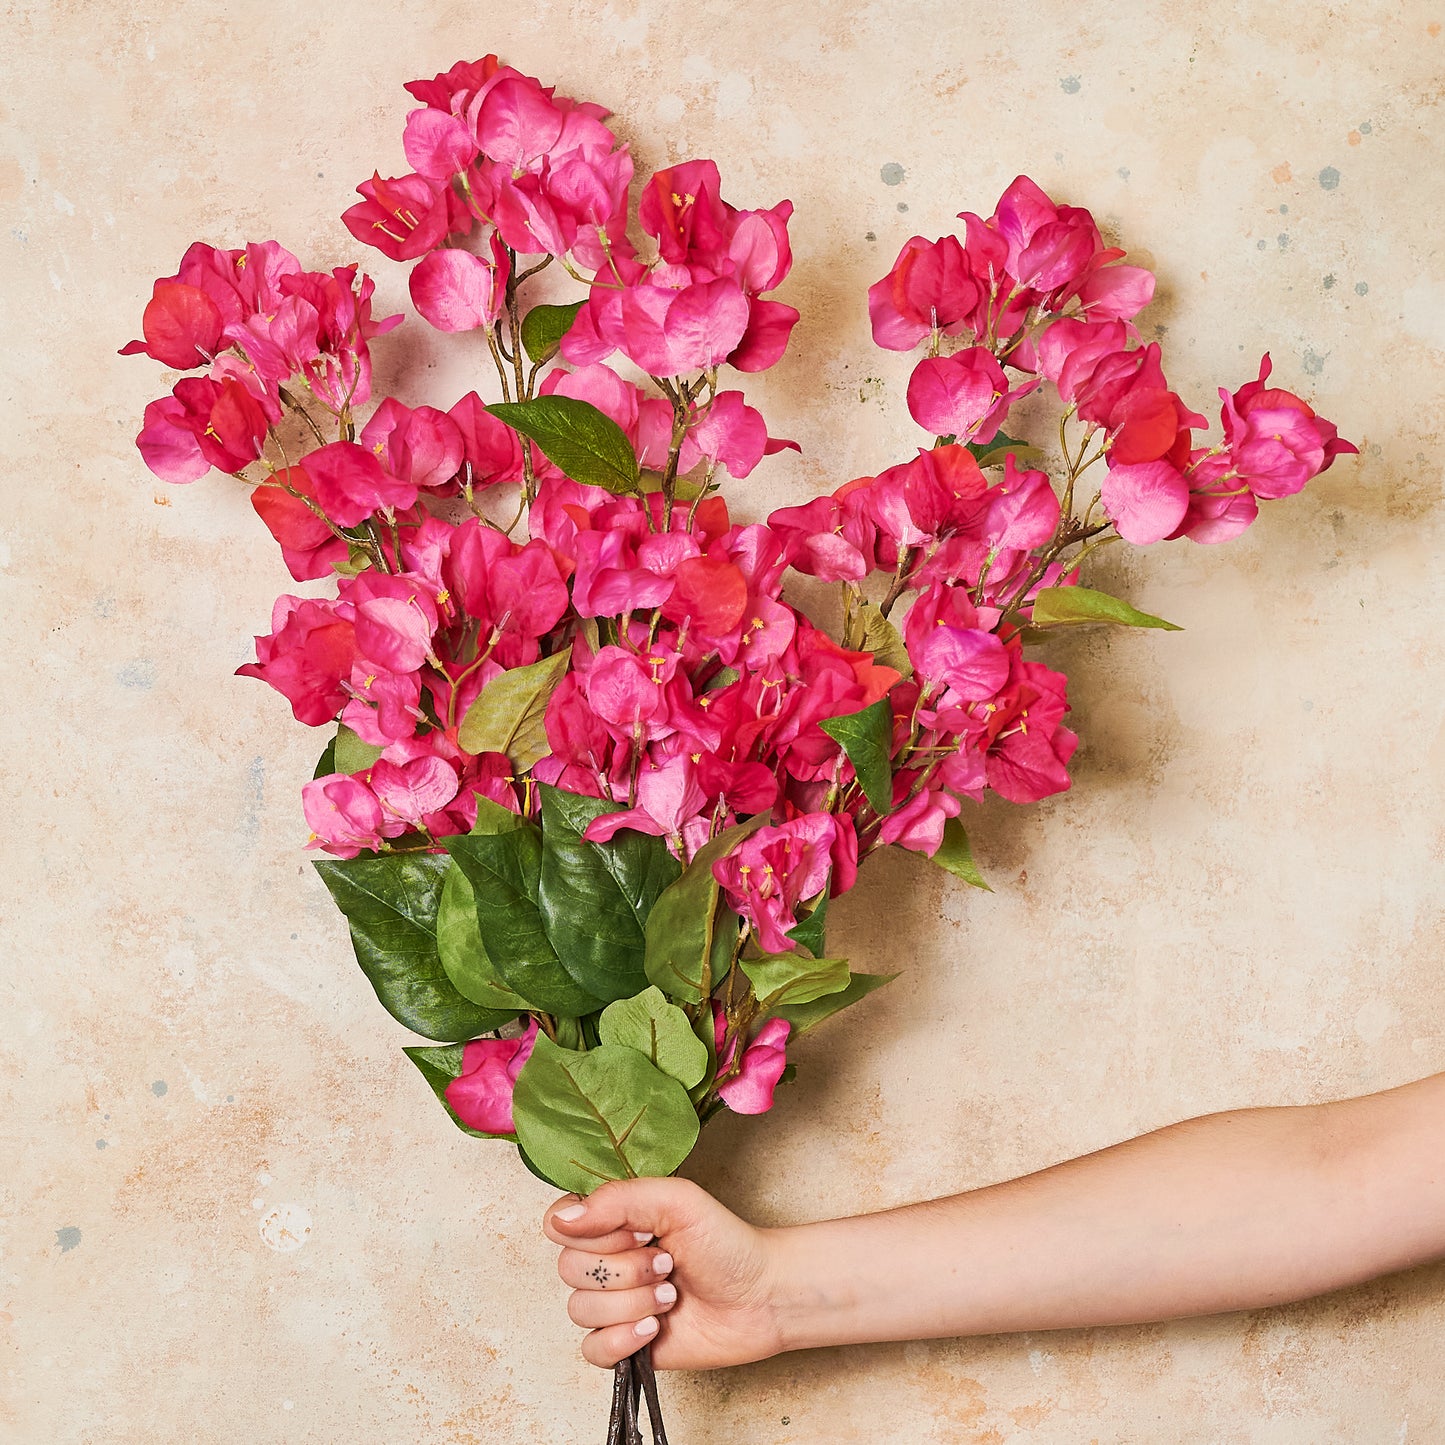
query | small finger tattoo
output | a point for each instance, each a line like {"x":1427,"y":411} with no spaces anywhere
{"x":601,"y":1274}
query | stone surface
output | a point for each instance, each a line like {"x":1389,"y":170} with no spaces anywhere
{"x":231,"y":1210}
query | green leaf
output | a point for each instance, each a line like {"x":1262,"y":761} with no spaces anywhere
{"x":587,"y":445}
{"x":808,"y":932}
{"x":543,"y":328}
{"x":682,"y":929}
{"x":503,"y":869}
{"x":955,"y":854}
{"x":782,"y":979}
{"x":509,"y":713}
{"x":992,"y":453}
{"x":807,"y":1016}
{"x":352,"y":755}
{"x":391,"y":904}
{"x":652,"y":1026}
{"x":605,"y":1114}
{"x":682,"y":489}
{"x":870,"y":631}
{"x":1067,"y":606}
{"x":439,"y":1067}
{"x":723,"y":677}
{"x":462,"y":952}
{"x":595,"y":897}
{"x":326,"y":763}
{"x":867,"y":738}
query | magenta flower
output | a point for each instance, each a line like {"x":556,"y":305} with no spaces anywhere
{"x":1146,"y":502}
{"x":750,"y":1090}
{"x":343,"y":815}
{"x":308,"y":545}
{"x":964,"y":395}
{"x":774,"y":870}
{"x":182,"y":327}
{"x":405,"y":216}
{"x":419,"y":446}
{"x":930,"y":286}
{"x":350,"y":484}
{"x":311,"y":648}
{"x":481,"y":1095}
{"x":456,"y":290}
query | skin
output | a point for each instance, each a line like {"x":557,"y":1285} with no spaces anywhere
{"x":1239,"y":1210}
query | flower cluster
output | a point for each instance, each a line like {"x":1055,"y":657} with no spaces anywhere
{"x":635,"y":649}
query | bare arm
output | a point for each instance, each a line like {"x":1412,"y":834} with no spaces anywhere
{"x":1231,"y":1211}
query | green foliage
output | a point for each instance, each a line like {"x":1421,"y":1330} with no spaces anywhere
{"x":504,"y":870}
{"x":543,"y":328}
{"x":781,"y":980}
{"x":867,"y":738}
{"x":808,"y":932}
{"x":509,"y":713}
{"x":391,"y":905}
{"x":1069,"y":606}
{"x":993,"y":453}
{"x":439,"y":1067}
{"x":462,"y":952}
{"x":682,"y":931}
{"x":956,"y":854}
{"x":588,"y":446}
{"x":607,"y":1114}
{"x":351,"y":754}
{"x":870,"y":631}
{"x":652,"y":1026}
{"x":807,"y":1016}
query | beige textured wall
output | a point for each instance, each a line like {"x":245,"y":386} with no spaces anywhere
{"x":1240,"y":901}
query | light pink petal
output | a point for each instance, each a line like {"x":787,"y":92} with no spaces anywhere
{"x":455,"y":290}
{"x":1145,"y":502}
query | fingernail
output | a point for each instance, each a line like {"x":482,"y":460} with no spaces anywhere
{"x":661,"y":1263}
{"x":664,"y":1294}
{"x":642,"y":1236}
{"x":573,"y":1211}
{"x":645,"y":1327}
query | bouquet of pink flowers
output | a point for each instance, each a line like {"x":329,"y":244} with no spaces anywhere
{"x":587,"y":794}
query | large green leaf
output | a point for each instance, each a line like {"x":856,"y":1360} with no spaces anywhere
{"x":870,"y":631}
{"x":994,"y":453}
{"x":509,"y":713}
{"x":956,"y":854}
{"x":352,"y":755}
{"x":783,"y":979}
{"x":595,"y":897}
{"x":1068,"y":606}
{"x":682,"y":929}
{"x":543,"y":328}
{"x":867,"y":738}
{"x":461,"y":950}
{"x":807,"y":1016}
{"x":587,"y":445}
{"x":652,"y":1026}
{"x":391,"y":904}
{"x":606,"y":1114}
{"x":439,"y":1067}
{"x":503,"y":869}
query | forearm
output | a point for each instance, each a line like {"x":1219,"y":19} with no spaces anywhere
{"x":1232,"y":1211}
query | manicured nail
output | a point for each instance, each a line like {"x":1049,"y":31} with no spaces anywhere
{"x":664,"y":1294}
{"x":642,"y":1236}
{"x":573,"y":1211}
{"x":661,"y":1263}
{"x":646,"y":1327}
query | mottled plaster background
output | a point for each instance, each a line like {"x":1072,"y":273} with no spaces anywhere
{"x":231,"y":1210}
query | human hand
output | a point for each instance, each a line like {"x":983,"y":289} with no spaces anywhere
{"x":661,"y":1261}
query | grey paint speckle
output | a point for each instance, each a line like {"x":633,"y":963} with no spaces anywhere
{"x":903,"y":205}
{"x":1283,"y":239}
{"x":159,"y":1088}
{"x":1284,"y":210}
{"x":67,"y":1238}
{"x":1123,"y":173}
{"x":1069,"y":84}
{"x":1364,"y":127}
{"x":1362,"y":288}
{"x":869,"y":236}
{"x":140,"y":675}
{"x":1329,"y":178}
{"x":1260,"y":244}
{"x":892,"y":174}
{"x":1328,"y":283}
{"x":1313,"y":362}
{"x":100,"y":1144}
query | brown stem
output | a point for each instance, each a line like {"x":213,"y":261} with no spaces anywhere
{"x":621,"y":1385}
{"x":643,"y":1367}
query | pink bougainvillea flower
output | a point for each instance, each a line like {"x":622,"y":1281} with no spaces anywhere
{"x":182,"y":327}
{"x":1023,"y":509}
{"x":308,"y":544}
{"x":481,"y":1095}
{"x":964,"y":395}
{"x":917,"y":823}
{"x":1276,"y":441}
{"x":750,"y":1090}
{"x":490,"y":447}
{"x":438,"y":144}
{"x":405,"y":216}
{"x":167,"y":445}
{"x":765,"y":338}
{"x":668,"y":797}
{"x":420,"y":446}
{"x":409,"y":791}
{"x":463,"y":79}
{"x":224,"y":422}
{"x":311,"y":649}
{"x":351,"y":485}
{"x":774,"y":870}
{"x":929,"y":286}
{"x":395,"y":618}
{"x":1145,"y":502}
{"x":343,"y":815}
{"x":456,"y":290}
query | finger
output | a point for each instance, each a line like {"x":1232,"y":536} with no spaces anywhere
{"x":605,"y":1347}
{"x":600,"y":1243}
{"x":630,"y":1270}
{"x":595,"y":1309}
{"x":654,"y":1205}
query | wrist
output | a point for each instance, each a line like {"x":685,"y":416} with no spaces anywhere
{"x":805,"y":1309}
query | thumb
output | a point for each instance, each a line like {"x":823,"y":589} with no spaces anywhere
{"x":654,"y":1207}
